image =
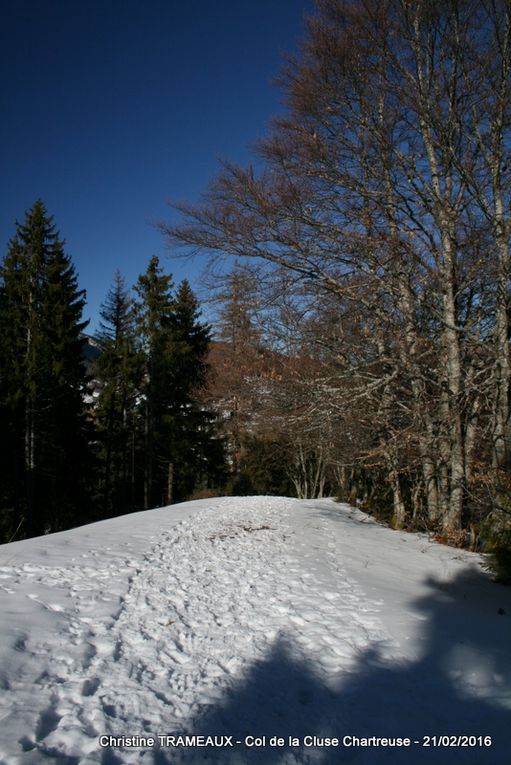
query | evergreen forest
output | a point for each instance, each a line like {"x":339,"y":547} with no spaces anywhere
{"x":95,"y":427}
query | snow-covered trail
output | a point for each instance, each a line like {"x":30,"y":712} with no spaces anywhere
{"x":256,"y":617}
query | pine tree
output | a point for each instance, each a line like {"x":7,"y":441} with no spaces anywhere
{"x":198,"y":452}
{"x":13,"y":362}
{"x":43,"y":380}
{"x":190,"y":343}
{"x":119,"y":374}
{"x":182,"y":448}
{"x":154,"y":310}
{"x":65,"y":437}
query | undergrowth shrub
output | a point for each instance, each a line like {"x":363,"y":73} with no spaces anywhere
{"x":499,"y":553}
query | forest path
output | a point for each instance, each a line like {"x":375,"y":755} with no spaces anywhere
{"x":248,"y":617}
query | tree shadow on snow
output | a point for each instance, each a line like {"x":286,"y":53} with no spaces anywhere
{"x":284,"y":696}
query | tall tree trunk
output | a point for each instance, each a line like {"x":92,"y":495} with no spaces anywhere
{"x":148,"y":448}
{"x":30,"y":465}
{"x":170,"y":483}
{"x":452,"y":521}
{"x":500,"y":450}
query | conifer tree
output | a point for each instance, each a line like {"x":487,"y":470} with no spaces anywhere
{"x":154,"y":310}
{"x":182,"y":449}
{"x":198,"y":453}
{"x":43,"y":380}
{"x":190,"y":342}
{"x":119,"y":374}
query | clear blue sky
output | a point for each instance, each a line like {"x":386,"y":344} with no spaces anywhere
{"x":111,"y":108}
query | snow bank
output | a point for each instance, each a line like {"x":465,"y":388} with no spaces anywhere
{"x":271,"y":630}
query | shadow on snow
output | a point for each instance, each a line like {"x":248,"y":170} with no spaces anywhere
{"x":283,"y":696}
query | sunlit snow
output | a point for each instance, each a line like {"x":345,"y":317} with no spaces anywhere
{"x":289,"y":630}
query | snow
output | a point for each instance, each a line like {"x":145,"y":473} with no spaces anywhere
{"x":250,"y":618}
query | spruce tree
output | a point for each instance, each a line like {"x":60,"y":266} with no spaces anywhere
{"x":119,"y":375}
{"x":154,"y":311}
{"x":43,"y":380}
{"x":182,"y":448}
{"x":198,"y":452}
{"x":13,"y":393}
{"x":190,"y":342}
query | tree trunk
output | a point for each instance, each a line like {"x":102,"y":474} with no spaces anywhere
{"x":170,"y":483}
{"x":30,"y":466}
{"x":148,"y":472}
{"x":502,"y":382}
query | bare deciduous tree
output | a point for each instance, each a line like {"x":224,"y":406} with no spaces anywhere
{"x":385,"y":192}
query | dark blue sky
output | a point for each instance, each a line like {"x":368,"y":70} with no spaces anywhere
{"x":111,"y":108}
